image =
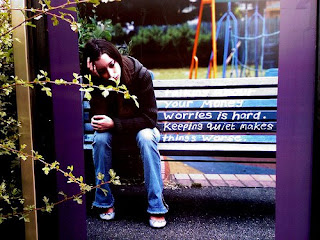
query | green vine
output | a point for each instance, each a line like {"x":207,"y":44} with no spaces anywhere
{"x":11,"y":200}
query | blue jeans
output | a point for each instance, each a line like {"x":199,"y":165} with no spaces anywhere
{"x":147,"y":141}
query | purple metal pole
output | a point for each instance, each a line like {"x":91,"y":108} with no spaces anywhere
{"x":68,"y":129}
{"x":297,"y":70}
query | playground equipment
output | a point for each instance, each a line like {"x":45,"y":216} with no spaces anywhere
{"x":233,"y":41}
{"x":213,"y":61}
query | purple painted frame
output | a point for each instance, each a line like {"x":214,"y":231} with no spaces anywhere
{"x":297,"y":76}
{"x":295,"y":120}
{"x":67,"y":112}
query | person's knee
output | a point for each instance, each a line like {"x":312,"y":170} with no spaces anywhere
{"x":146,"y":136}
{"x":102,"y":139}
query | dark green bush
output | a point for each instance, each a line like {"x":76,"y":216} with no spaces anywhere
{"x":169,"y":46}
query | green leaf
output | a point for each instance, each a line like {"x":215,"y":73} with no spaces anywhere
{"x":123,"y":87}
{"x":22,"y":146}
{"x":70,"y":168}
{"x":76,"y":75}
{"x":80,"y":179}
{"x":78,"y":200}
{"x":48,"y":3}
{"x":118,"y":81}
{"x":15,"y":191}
{"x":90,"y":89}
{"x":95,"y":2}
{"x":75,"y":26}
{"x":63,"y":194}
{"x":107,"y":35}
{"x":2,"y":187}
{"x":44,"y":73}
{"x":100,"y":176}
{"x":55,"y":21}
{"x":105,"y":192}
{"x":25,"y":218}
{"x":45,"y":199}
{"x":87,"y":95}
{"x":2,"y":218}
{"x":30,"y":24}
{"x":49,"y":208}
{"x":74,"y":9}
{"x":88,"y":77}
{"x":55,"y":165}
{"x":60,"y":81}
{"x":112,"y":173}
{"x":29,"y":208}
{"x":126,"y":95}
{"x":22,"y":156}
{"x":46,"y":170}
{"x":6,"y":198}
{"x":116,"y":181}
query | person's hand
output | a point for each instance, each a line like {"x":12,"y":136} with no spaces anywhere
{"x":92,"y":68}
{"x":101,"y":123}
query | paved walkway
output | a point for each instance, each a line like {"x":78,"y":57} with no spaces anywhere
{"x":196,"y":178}
{"x":224,"y":180}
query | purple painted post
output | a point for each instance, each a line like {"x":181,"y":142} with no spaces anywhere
{"x":297,"y":70}
{"x":64,"y":60}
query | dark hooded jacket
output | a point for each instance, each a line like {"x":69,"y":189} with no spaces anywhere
{"x":127,"y":117}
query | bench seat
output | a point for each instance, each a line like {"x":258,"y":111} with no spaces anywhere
{"x":234,"y":117}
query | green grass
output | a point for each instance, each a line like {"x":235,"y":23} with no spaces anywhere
{"x":183,"y":73}
{"x":176,"y":73}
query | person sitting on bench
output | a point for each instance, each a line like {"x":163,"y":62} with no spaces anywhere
{"x":114,"y":115}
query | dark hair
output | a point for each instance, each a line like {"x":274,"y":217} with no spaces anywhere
{"x":94,"y":48}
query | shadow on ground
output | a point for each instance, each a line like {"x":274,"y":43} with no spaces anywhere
{"x":195,"y":213}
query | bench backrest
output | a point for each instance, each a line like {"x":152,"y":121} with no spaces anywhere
{"x":222,"y":117}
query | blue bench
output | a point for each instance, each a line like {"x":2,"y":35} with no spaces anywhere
{"x":229,"y":117}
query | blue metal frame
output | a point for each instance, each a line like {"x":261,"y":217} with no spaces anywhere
{"x":227,"y":16}
{"x":256,"y":16}
{"x":232,"y":37}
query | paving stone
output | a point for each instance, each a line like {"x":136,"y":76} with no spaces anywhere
{"x":215,"y":180}
{"x":248,"y":180}
{"x":268,"y":184}
{"x":244,"y":177}
{"x":235,"y":183}
{"x":181,"y":176}
{"x":197,"y":176}
{"x":213,"y":176}
{"x":218,"y":183}
{"x":260,"y":178}
{"x":229,"y":177}
{"x":200,"y":178}
{"x":183,"y":179}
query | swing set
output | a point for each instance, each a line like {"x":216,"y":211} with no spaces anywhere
{"x":233,"y":39}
